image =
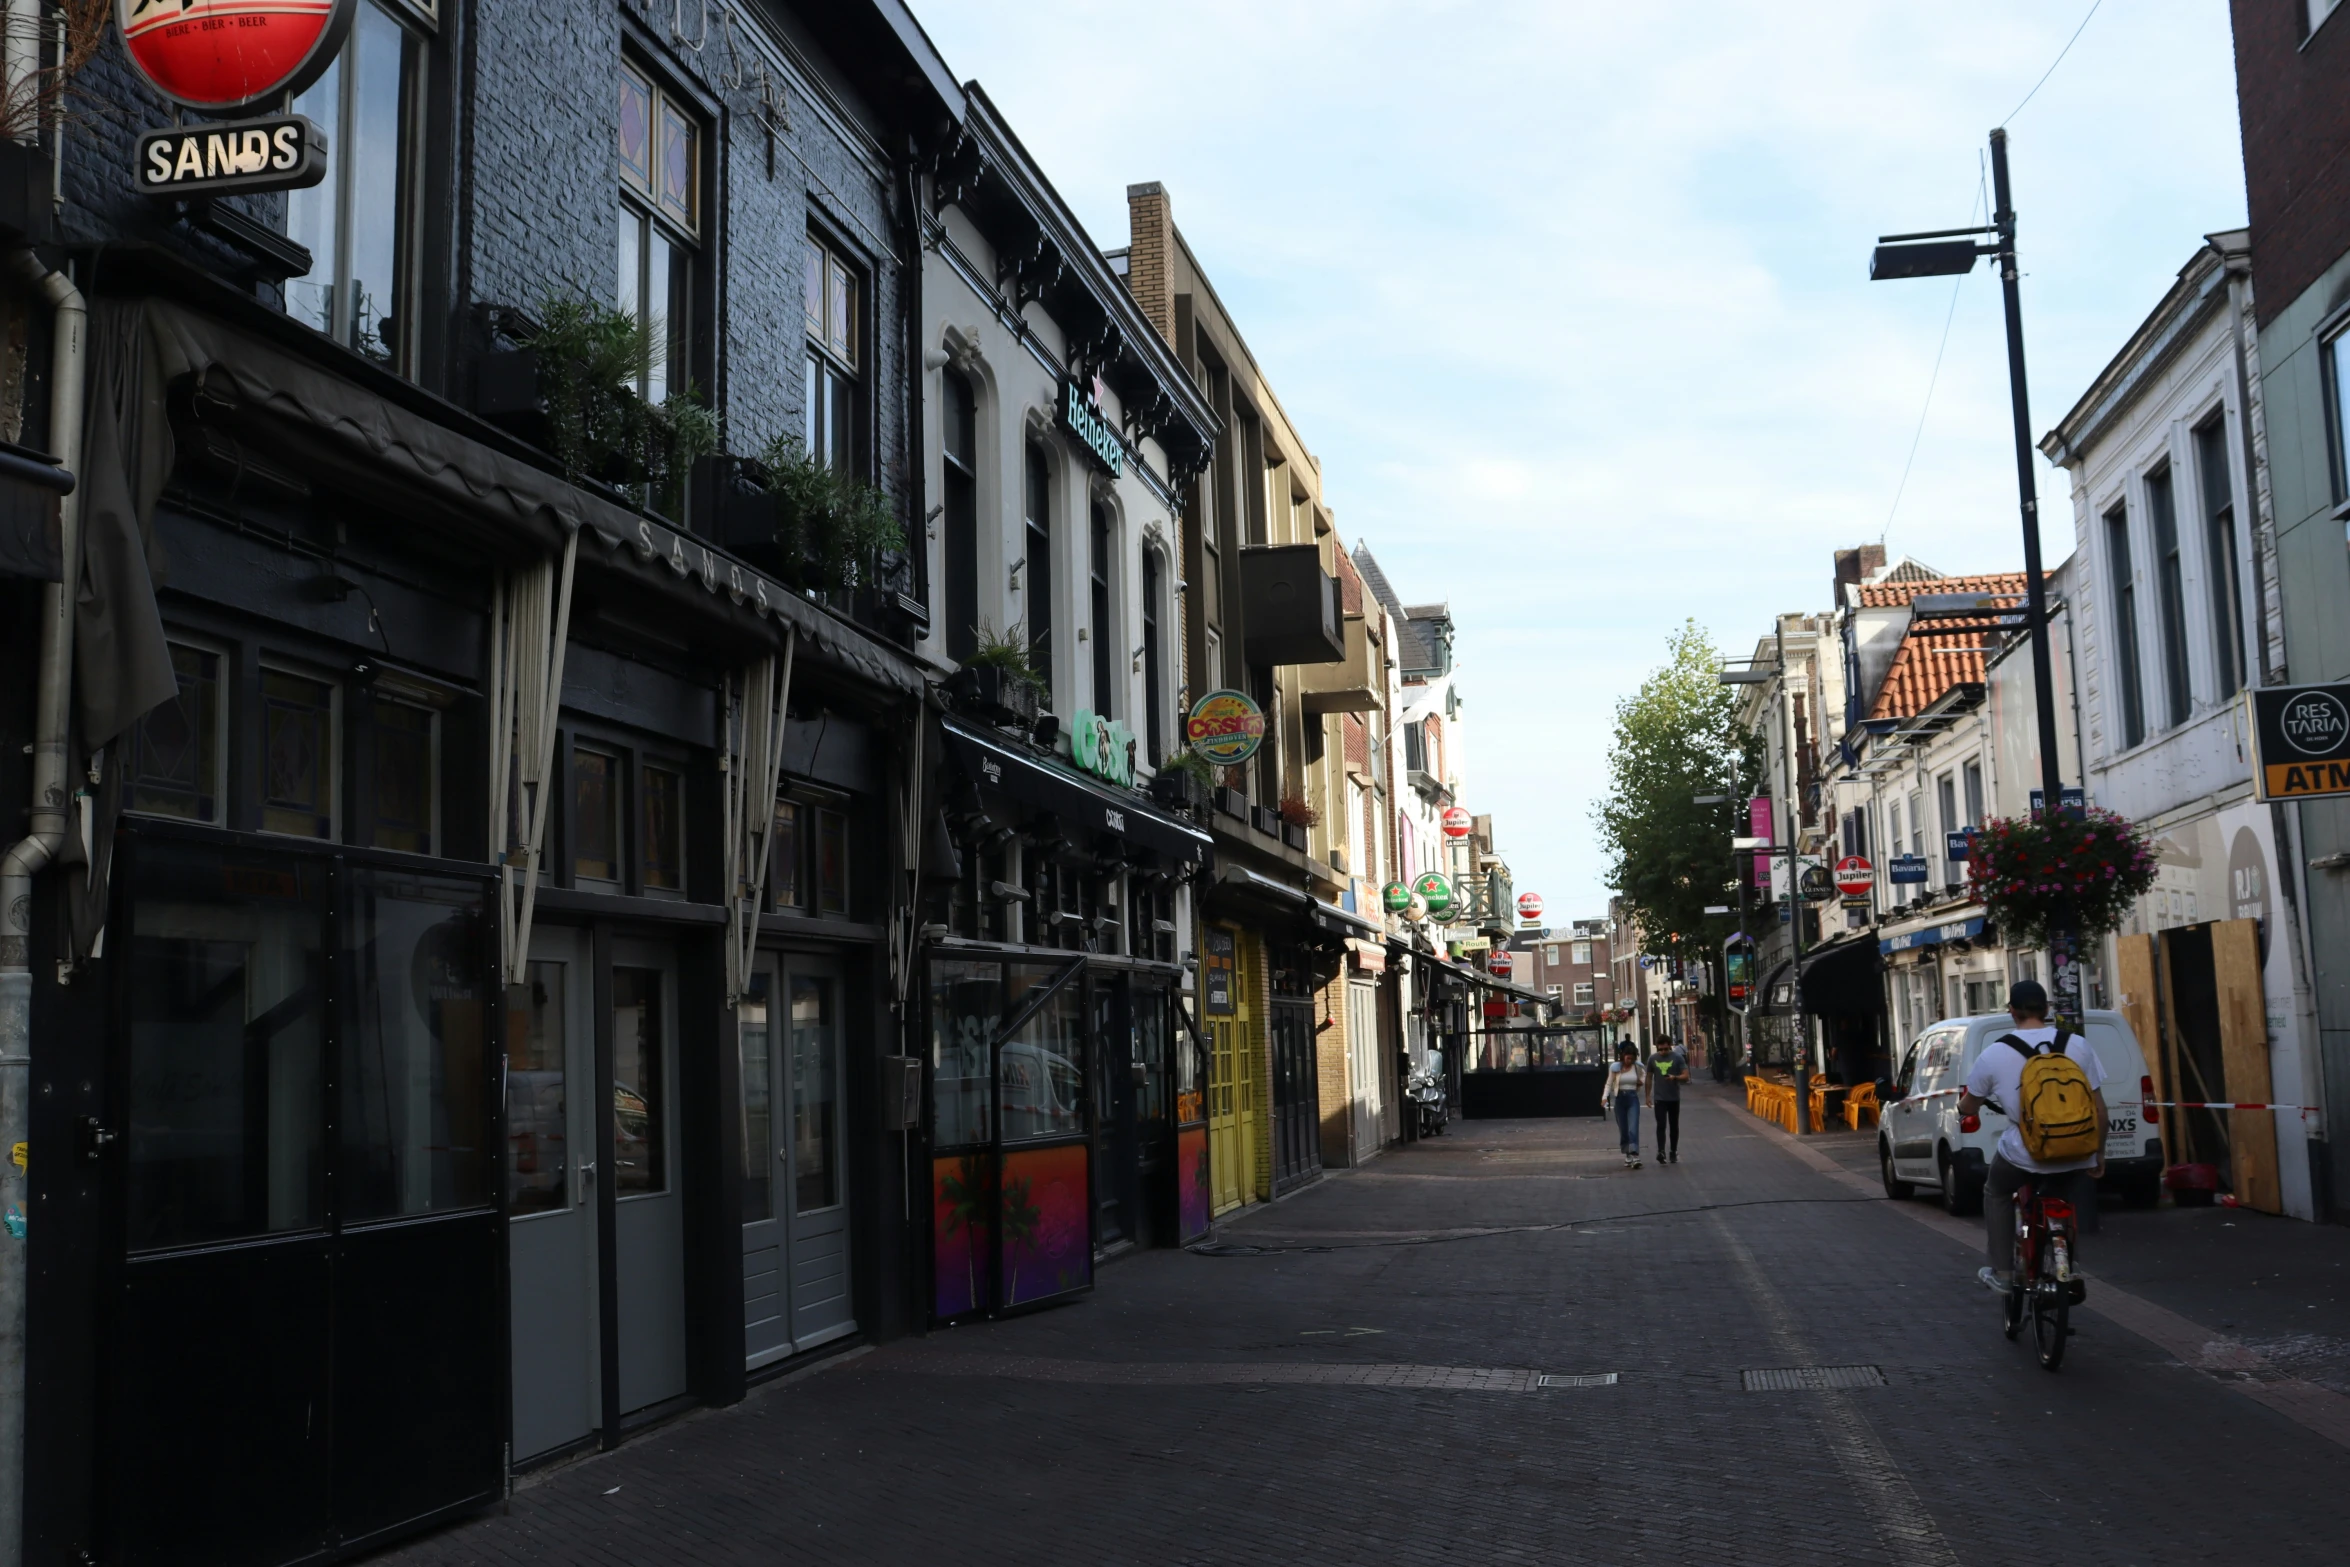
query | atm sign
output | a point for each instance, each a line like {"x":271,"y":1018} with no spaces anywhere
{"x":2302,"y":737}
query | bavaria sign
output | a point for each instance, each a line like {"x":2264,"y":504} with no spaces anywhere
{"x":1855,"y":876}
{"x":284,"y":152}
{"x":223,"y":56}
{"x":1225,"y":728}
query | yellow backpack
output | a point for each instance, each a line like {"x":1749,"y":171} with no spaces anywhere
{"x":2057,"y":1118}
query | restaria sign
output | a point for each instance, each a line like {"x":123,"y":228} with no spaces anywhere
{"x":222,"y":56}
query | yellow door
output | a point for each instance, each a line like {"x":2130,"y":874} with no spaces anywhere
{"x":1232,"y":1088}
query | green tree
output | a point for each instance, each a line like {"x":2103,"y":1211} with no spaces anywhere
{"x":1669,"y":858}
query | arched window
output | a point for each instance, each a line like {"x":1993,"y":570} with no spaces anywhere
{"x":960,"y":516}
{"x":1039,"y":574}
{"x":1103,"y":692}
{"x":1153,"y":660}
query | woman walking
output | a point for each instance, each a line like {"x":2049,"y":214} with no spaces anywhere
{"x":1624,"y":1091}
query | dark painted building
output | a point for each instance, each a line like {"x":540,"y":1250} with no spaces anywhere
{"x":468,"y":1020}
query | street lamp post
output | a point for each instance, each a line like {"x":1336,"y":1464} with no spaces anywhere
{"x":1945,"y":253}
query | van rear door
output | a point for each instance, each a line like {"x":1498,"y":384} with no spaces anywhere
{"x":2124,"y":1067}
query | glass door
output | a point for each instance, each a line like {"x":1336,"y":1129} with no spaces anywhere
{"x":551,"y":1199}
{"x":1114,"y":1150}
{"x":648,"y":1227}
{"x":795,"y":1210}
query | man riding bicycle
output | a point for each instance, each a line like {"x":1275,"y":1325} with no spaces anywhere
{"x":1997,"y":1079}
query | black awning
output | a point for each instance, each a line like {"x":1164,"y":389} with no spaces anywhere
{"x":31,"y":539}
{"x":1082,"y":806}
{"x":1843,"y":979}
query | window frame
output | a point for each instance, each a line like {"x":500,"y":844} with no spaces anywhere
{"x":2223,"y":565}
{"x":645,"y":207}
{"x":338,"y":731}
{"x":368,"y":768}
{"x":958,"y":524}
{"x":2170,"y":592}
{"x":833,"y":256}
{"x":1036,"y":554}
{"x":224,"y":687}
{"x":2122,"y":582}
{"x":418,"y":24}
{"x":1101,"y":588}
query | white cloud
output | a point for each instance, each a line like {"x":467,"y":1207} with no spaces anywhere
{"x":1572,"y":299}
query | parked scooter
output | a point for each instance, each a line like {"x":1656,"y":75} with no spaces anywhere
{"x":1426,"y":1090}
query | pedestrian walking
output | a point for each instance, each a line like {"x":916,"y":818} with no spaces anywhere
{"x":1670,"y":1069}
{"x":1624,"y":1091}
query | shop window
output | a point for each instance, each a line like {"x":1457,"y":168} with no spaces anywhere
{"x":640,"y":1142}
{"x":226,"y":995}
{"x":415,"y":972}
{"x":663,"y":830}
{"x":299,"y":746}
{"x":176,"y":752}
{"x":966,"y":1004}
{"x":1972,"y":773}
{"x":406,"y":775}
{"x":596,"y":786}
{"x":783,"y":857}
{"x":832,"y":862}
{"x":660,"y":216}
{"x":359,"y":222}
{"x":833,"y":311}
{"x":538,"y":1129}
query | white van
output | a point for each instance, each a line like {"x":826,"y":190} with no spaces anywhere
{"x":1918,"y":1138}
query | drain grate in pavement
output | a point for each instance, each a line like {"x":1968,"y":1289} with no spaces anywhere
{"x":1589,"y":1379}
{"x":1792,"y":1379}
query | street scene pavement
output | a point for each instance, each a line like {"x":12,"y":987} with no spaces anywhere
{"x":1501,"y":1345}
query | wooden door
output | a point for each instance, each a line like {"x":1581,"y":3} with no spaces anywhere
{"x":2140,"y":1008}
{"x":2243,"y":1034}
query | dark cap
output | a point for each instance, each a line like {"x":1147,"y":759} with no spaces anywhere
{"x":2026,"y":995}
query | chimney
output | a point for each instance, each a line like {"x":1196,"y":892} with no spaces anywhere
{"x":1856,"y":566}
{"x":1150,"y":231}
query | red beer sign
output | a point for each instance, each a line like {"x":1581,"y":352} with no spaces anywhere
{"x":1456,"y":822}
{"x":220,"y":56}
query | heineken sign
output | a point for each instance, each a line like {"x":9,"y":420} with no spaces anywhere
{"x":1082,"y":417}
{"x":1434,"y":891}
{"x":1395,"y":897}
{"x":283,"y":152}
{"x":1102,"y":746}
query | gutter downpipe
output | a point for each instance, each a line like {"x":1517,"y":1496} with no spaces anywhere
{"x":22,"y":863}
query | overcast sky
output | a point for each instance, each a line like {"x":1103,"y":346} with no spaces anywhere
{"x":1572,"y":299}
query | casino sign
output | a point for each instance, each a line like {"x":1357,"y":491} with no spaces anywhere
{"x":223,"y":56}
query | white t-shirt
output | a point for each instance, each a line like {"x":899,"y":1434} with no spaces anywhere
{"x":1999,"y":1074}
{"x":1622,"y":1080}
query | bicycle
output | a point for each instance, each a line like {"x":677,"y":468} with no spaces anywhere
{"x":2044,"y":1284}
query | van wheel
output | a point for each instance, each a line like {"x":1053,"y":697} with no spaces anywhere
{"x":1898,"y":1190}
{"x":1960,"y":1196}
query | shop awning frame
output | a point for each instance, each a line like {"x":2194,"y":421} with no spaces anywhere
{"x":1078,"y":801}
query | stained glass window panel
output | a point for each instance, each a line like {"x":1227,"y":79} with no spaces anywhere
{"x":783,"y":863}
{"x":677,"y":166}
{"x":405,"y":765}
{"x":664,"y":830}
{"x":175,"y":750}
{"x":636,"y":131}
{"x":595,"y":829}
{"x":297,"y":755}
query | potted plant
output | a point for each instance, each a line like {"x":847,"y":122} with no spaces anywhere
{"x":997,"y":680}
{"x":1297,"y":818}
{"x":2077,"y":870}
{"x":1184,"y":780}
{"x":571,"y":388}
{"x":830,"y":530}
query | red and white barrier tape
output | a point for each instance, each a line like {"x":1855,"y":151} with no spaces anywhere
{"x":2197,"y":1104}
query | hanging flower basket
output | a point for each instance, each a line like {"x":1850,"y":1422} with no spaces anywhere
{"x":2077,"y":868}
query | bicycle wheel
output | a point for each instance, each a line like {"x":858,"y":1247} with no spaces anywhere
{"x":2051,"y":1324}
{"x":2013,"y":1306}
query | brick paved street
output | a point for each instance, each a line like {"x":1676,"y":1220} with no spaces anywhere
{"x":1356,"y":1378}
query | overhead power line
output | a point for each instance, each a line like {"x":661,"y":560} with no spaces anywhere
{"x":2053,"y":64}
